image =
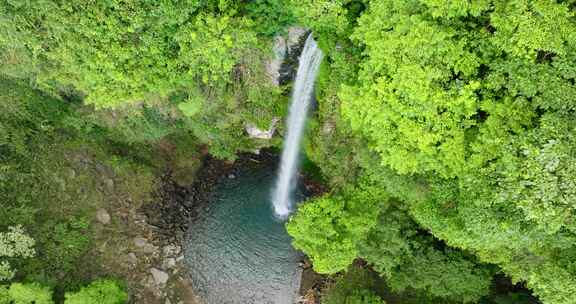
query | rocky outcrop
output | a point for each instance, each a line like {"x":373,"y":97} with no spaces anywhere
{"x":295,"y":43}
{"x":255,"y":132}
{"x":274,"y":64}
{"x":295,"y":35}
{"x":281,"y":68}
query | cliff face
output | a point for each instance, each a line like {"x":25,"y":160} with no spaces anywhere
{"x":280,"y":69}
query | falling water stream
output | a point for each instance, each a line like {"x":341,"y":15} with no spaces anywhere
{"x":303,"y":88}
{"x":237,"y":248}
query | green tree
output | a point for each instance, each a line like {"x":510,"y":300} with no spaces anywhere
{"x":270,"y":16}
{"x":98,"y":292}
{"x":355,"y":286}
{"x":125,"y":52}
{"x":364,"y":296}
{"x":329,"y":228}
{"x":4,"y":295}
{"x":31,"y":293}
{"x":471,"y":103}
{"x":14,"y":244}
{"x":322,"y":16}
{"x":363,"y":223}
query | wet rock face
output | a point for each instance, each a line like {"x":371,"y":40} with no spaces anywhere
{"x":295,"y":43}
{"x":295,"y":35}
{"x":176,"y":205}
{"x":281,"y":69}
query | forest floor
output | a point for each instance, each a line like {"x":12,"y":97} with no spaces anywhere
{"x":121,"y":201}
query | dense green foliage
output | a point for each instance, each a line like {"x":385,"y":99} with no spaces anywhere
{"x":355,"y":287}
{"x":361,"y":222}
{"x":463,"y":115}
{"x":445,"y":130}
{"x":14,"y":244}
{"x":98,"y":292}
{"x":342,"y":222}
{"x":145,"y":57}
{"x":29,"y":294}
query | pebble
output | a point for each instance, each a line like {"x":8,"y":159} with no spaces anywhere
{"x":171,"y":250}
{"x":140,"y":242}
{"x":132,"y":258}
{"x":169,"y":263}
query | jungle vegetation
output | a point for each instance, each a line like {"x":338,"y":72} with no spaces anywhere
{"x":445,"y":130}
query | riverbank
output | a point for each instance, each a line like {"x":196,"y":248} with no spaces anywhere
{"x":175,"y":207}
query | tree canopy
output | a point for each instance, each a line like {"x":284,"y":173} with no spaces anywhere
{"x":445,"y":130}
{"x":98,"y":292}
{"x":466,"y":112}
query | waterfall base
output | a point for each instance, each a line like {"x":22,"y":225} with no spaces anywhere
{"x":237,"y":251}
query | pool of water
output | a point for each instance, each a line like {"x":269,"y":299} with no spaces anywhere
{"x":237,"y":251}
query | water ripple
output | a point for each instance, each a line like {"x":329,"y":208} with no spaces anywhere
{"x":237,"y":251}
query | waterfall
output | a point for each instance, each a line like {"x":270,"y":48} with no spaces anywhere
{"x":308,"y":66}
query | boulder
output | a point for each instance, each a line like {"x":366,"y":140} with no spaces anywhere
{"x":160,"y":277}
{"x":255,"y":132}
{"x":295,"y":34}
{"x":109,"y":184}
{"x":103,"y":216}
{"x":144,"y":246}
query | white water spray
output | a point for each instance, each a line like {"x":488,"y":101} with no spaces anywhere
{"x":308,"y":66}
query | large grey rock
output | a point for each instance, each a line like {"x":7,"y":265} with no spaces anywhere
{"x":295,"y":33}
{"x":160,"y":277}
{"x":273,"y":66}
{"x":255,"y":132}
{"x":103,"y":216}
{"x":283,"y":46}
